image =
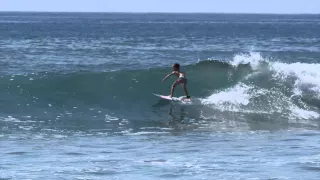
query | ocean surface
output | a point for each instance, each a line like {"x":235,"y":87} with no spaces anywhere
{"x":77,"y":101}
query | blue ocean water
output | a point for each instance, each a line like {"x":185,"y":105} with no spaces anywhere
{"x":77,"y":102}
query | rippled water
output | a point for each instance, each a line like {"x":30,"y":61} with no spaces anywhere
{"x":179,"y":154}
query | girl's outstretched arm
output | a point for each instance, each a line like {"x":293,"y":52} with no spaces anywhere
{"x":167,"y":76}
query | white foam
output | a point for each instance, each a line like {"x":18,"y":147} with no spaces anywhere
{"x":303,"y":114}
{"x":235,"y":95}
{"x":306,"y":77}
{"x":10,"y":119}
{"x":146,"y":133}
{"x":254,"y":58}
{"x":306,"y":73}
{"x":110,"y":118}
{"x":235,"y":99}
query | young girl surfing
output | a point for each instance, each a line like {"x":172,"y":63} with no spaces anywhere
{"x":181,"y":80}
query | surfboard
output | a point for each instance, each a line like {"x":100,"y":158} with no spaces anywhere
{"x":182,"y":98}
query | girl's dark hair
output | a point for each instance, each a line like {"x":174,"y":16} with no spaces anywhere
{"x":176,"y":65}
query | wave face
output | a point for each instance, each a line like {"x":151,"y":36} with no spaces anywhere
{"x":113,"y":89}
{"x":247,"y":88}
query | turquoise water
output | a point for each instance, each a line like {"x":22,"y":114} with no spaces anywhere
{"x":77,"y":103}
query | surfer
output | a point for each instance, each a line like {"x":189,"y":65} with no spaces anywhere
{"x":181,"y":79}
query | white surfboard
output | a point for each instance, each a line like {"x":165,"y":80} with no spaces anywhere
{"x":182,"y":98}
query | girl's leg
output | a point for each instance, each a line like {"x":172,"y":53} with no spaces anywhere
{"x":172,"y":88}
{"x":184,"y":85}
